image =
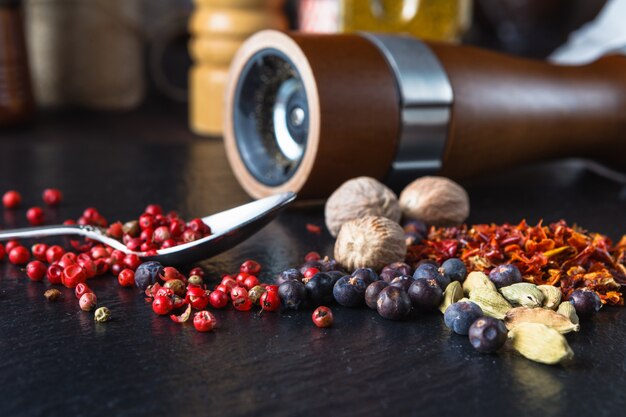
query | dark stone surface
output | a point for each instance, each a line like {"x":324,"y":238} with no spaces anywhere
{"x":56,"y":361}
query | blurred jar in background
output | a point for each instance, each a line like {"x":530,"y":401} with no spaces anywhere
{"x":16,"y":101}
{"x":86,"y":53}
{"x":219,"y":27}
{"x":444,"y":20}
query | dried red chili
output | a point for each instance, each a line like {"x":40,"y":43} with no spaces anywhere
{"x":560,"y":255}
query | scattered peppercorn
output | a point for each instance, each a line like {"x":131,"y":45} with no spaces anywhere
{"x":102,"y":315}
{"x":52,"y":295}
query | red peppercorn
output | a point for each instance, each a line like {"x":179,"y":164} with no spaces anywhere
{"x":36,"y":270}
{"x":177,"y":227}
{"x":68,"y":258}
{"x":199,"y":302}
{"x":88,"y":301}
{"x":322,"y":317}
{"x":222,"y":288}
{"x":310,"y":272}
{"x":116,"y":230}
{"x":169,"y":243}
{"x":165,"y":292}
{"x":218,"y":299}
{"x":170,"y":273}
{"x":146,"y":221}
{"x":52,"y":196}
{"x":134,"y":244}
{"x":238,"y":292}
{"x":270,"y":301}
{"x":88,"y":265}
{"x":19,"y":255}
{"x":191,"y":235}
{"x":90,"y":213}
{"x":126,"y":278}
{"x":197,"y":271}
{"x":197,"y":225}
{"x":162,"y":305}
{"x":11,"y":199}
{"x":117,"y":257}
{"x":132,"y":261}
{"x":35,"y":216}
{"x":242,"y":303}
{"x":102,"y":266}
{"x":229,"y":282}
{"x":81,"y":288}
{"x":54,"y":274}
{"x":12,"y":244}
{"x":271,"y":287}
{"x":250,"y":282}
{"x":147,"y":247}
{"x":161,"y":234}
{"x":3,"y":252}
{"x":153,"y":209}
{"x":250,"y":267}
{"x":54,"y":253}
{"x":98,"y":252}
{"x":39,"y":251}
{"x":204,"y":321}
{"x":116,"y":268}
{"x":312,"y":256}
{"x":146,"y":235}
{"x":73,"y":275}
{"x":241,"y":277}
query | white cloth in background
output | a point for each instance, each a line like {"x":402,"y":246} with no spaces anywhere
{"x":605,"y":34}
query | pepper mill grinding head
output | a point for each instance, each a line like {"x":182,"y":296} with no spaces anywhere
{"x":307,"y":112}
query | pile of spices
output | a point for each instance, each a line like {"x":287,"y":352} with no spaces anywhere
{"x":564,"y":256}
{"x":520,"y":285}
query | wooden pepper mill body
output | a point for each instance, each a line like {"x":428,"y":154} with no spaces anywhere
{"x":218,"y":28}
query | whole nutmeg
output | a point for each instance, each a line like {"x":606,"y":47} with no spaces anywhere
{"x":360,"y":197}
{"x":437,"y":201}
{"x":370,"y":242}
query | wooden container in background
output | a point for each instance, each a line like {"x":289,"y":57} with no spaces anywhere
{"x":16,"y":101}
{"x":86,"y":53}
{"x":218,"y":28}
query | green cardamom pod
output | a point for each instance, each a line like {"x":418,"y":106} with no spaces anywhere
{"x":452,"y":294}
{"x":490,"y":301}
{"x":523,"y":294}
{"x":540,"y":343}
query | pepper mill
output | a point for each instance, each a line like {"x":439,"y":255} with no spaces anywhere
{"x":218,"y":28}
{"x":16,"y":100}
{"x":306,"y":112}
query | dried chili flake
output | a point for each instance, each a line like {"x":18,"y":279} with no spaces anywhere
{"x":313,"y":228}
{"x":557,"y":254}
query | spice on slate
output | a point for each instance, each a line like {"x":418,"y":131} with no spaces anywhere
{"x":102,"y":315}
{"x":52,"y":295}
{"x":557,"y":254}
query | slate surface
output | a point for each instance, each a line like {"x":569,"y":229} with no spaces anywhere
{"x":55,"y":361}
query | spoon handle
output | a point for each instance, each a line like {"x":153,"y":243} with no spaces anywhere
{"x":90,"y":232}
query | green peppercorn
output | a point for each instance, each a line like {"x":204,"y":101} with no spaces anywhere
{"x":255,"y":294}
{"x":177,"y":286}
{"x":196,"y":280}
{"x":102,"y":315}
{"x":131,"y":228}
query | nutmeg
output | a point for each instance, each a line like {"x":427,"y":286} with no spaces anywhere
{"x":437,"y":201}
{"x":370,"y":242}
{"x":360,"y":197}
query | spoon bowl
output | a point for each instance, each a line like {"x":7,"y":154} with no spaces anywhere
{"x":229,"y":228}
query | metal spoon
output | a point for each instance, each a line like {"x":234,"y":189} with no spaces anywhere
{"x":229,"y":228}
